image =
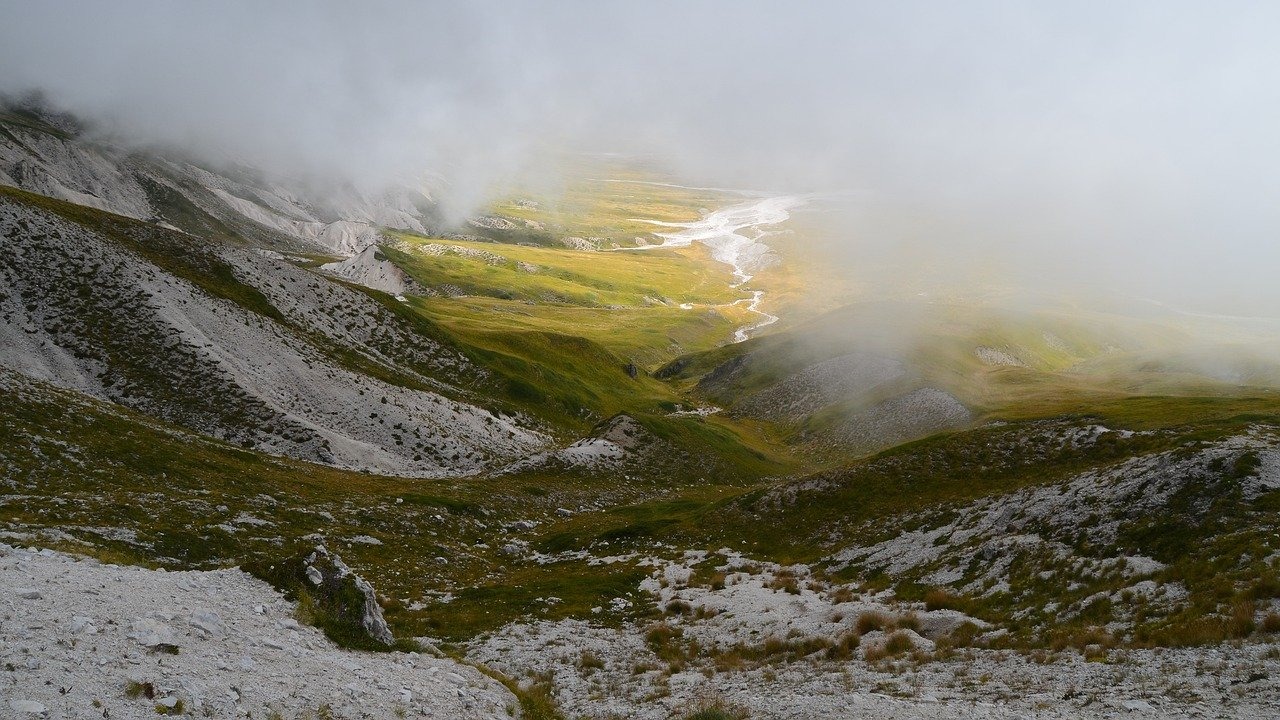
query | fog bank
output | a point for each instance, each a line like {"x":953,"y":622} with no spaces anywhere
{"x":1127,"y":146}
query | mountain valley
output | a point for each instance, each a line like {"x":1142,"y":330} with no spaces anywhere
{"x":576,"y":468}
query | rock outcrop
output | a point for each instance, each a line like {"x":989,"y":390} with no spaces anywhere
{"x":371,"y":268}
{"x":332,"y":579}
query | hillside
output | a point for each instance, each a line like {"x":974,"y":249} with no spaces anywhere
{"x":1057,"y":542}
{"x":878,"y":373}
{"x":318,"y":362}
{"x":152,"y":319}
{"x":542,"y":440}
{"x":55,"y":155}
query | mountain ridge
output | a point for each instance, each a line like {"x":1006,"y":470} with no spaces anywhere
{"x":164,"y":188}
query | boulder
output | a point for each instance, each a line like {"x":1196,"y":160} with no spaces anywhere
{"x":208,"y":622}
{"x":152,"y":633}
{"x":334,"y":574}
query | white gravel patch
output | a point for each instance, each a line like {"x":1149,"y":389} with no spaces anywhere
{"x":75,"y":633}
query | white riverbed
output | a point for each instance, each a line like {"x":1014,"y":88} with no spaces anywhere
{"x":734,"y":236}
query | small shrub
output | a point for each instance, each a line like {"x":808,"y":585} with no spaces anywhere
{"x":537,"y":702}
{"x":536,"y":698}
{"x":664,"y":641}
{"x":785,"y":581}
{"x":1091,"y":641}
{"x":702,"y":612}
{"x":729,"y":660}
{"x":135,"y":689}
{"x":1241,"y":623}
{"x":775,"y":646}
{"x":896,"y":644}
{"x":965,"y":635}
{"x":1265,"y":588}
{"x":712,"y":714}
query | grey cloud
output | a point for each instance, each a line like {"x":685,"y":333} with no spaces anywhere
{"x":1124,"y":145}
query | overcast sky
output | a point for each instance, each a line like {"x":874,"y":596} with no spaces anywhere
{"x":1114,"y":143}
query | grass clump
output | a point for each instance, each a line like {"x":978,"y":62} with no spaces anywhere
{"x":943,"y":599}
{"x":679,"y":607}
{"x":666,"y":642}
{"x":179,"y":708}
{"x":1092,"y":642}
{"x":844,"y":646}
{"x":1271,"y":623}
{"x":714,"y":710}
{"x":590,"y":661}
{"x":778,"y":650}
{"x":842,"y":594}
{"x":134,"y":689}
{"x":894,"y":645}
{"x":873,"y":621}
{"x":786,"y":581}
{"x":536,"y":697}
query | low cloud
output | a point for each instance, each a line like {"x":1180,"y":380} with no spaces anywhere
{"x":1128,"y":147}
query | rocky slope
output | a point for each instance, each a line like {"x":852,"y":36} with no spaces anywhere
{"x":83,"y":639}
{"x":780,"y":642}
{"x":1045,"y":569}
{"x":239,"y":345}
{"x":51,"y":155}
{"x":1047,"y":526}
{"x":372,"y":269}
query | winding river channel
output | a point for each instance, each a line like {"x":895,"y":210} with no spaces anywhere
{"x":734,"y":235}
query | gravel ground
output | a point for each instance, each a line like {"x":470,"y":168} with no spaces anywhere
{"x":76,"y":635}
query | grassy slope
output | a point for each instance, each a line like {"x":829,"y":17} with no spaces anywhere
{"x":561,"y":325}
{"x":627,"y":301}
{"x":90,"y":469}
{"x":616,"y":212}
{"x":553,"y":371}
{"x":117,"y":484}
{"x":98,"y":482}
